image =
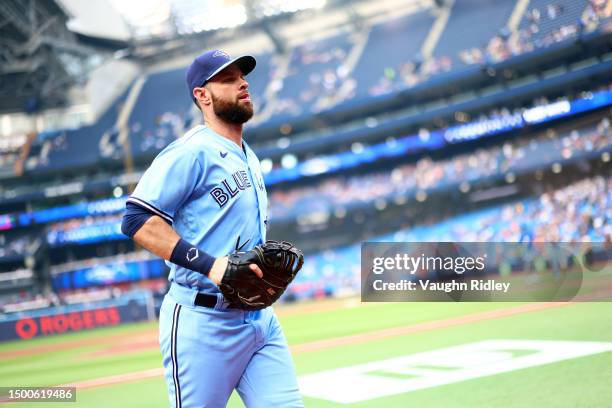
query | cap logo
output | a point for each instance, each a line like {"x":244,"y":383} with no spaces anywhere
{"x":220,"y":53}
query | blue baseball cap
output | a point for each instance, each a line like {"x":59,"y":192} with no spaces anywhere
{"x":209,"y":64}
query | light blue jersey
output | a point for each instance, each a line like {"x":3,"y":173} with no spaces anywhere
{"x":212,"y":192}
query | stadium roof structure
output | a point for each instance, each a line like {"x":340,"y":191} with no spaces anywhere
{"x":167,"y":18}
{"x":50,"y":45}
{"x":39,"y":57}
{"x":182,"y":27}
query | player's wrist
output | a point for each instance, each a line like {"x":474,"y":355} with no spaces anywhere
{"x":191,"y":257}
{"x":218,"y":269}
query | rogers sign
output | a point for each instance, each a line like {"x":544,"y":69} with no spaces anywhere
{"x":29,"y":327}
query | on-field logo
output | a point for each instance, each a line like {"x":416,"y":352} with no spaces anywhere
{"x":439,"y":367}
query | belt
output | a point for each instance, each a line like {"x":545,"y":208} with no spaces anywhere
{"x":205,"y":300}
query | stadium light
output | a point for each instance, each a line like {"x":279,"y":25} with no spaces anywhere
{"x":357,"y":148}
{"x":400,"y":200}
{"x":117,"y":192}
{"x":283,"y":142}
{"x":340,"y":213}
{"x":289,"y":161}
{"x":266,"y":165}
{"x":380,"y":204}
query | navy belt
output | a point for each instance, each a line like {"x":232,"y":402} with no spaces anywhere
{"x":205,"y":300}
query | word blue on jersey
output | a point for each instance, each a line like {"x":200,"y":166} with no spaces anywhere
{"x":213,"y":194}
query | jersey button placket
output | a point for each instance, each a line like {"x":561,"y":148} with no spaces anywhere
{"x":255,"y":183}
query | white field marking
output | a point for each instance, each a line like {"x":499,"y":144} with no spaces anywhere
{"x":444,"y":366}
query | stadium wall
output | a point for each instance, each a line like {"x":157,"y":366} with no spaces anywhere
{"x":76,"y":318}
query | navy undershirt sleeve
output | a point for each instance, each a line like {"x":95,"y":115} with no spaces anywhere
{"x":134,"y":218}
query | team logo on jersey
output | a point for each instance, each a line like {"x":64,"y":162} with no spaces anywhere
{"x":230,"y":189}
{"x":192,"y":254}
{"x":239,"y":246}
{"x":223,"y":154}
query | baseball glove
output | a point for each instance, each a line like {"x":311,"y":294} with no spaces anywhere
{"x":279,"y":262}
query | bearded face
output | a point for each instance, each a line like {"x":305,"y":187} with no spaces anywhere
{"x":235,"y":111}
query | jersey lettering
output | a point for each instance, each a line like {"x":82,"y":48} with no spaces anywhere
{"x":219,"y":195}
{"x":233,"y":191}
{"x":225,"y":191}
{"x":245,"y":178}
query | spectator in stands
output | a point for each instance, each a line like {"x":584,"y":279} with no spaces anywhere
{"x":428,"y":174}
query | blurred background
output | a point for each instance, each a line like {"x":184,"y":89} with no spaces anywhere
{"x":386,"y":120}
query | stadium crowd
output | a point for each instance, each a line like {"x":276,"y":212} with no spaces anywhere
{"x":550,"y":148}
{"x":500,"y":47}
{"x":25,"y":300}
{"x":428,"y":174}
{"x":13,"y":246}
{"x":579,"y":212}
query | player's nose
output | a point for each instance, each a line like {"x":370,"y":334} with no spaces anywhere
{"x":244,"y":85}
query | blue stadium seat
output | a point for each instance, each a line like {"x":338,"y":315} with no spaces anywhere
{"x":80,"y":147}
{"x":313,"y":70}
{"x":390,"y":45}
{"x":484,"y":18}
{"x":163,"y":93}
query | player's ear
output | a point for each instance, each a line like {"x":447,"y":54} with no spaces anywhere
{"x":206,"y":95}
{"x":202,"y":95}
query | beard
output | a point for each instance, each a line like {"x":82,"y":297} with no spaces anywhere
{"x":232,"y":112}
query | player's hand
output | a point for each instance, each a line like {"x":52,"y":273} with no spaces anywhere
{"x":256,"y":270}
{"x":220,"y":265}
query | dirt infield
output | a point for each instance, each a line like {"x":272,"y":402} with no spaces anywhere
{"x":329,"y":343}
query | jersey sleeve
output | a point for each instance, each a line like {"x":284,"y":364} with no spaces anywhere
{"x":168,"y":182}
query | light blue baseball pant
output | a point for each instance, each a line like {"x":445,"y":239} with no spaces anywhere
{"x":207,"y":353}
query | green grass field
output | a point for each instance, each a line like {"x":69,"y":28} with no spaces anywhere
{"x":575,"y":382}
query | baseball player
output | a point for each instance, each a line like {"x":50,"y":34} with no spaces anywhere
{"x":203,"y":198}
